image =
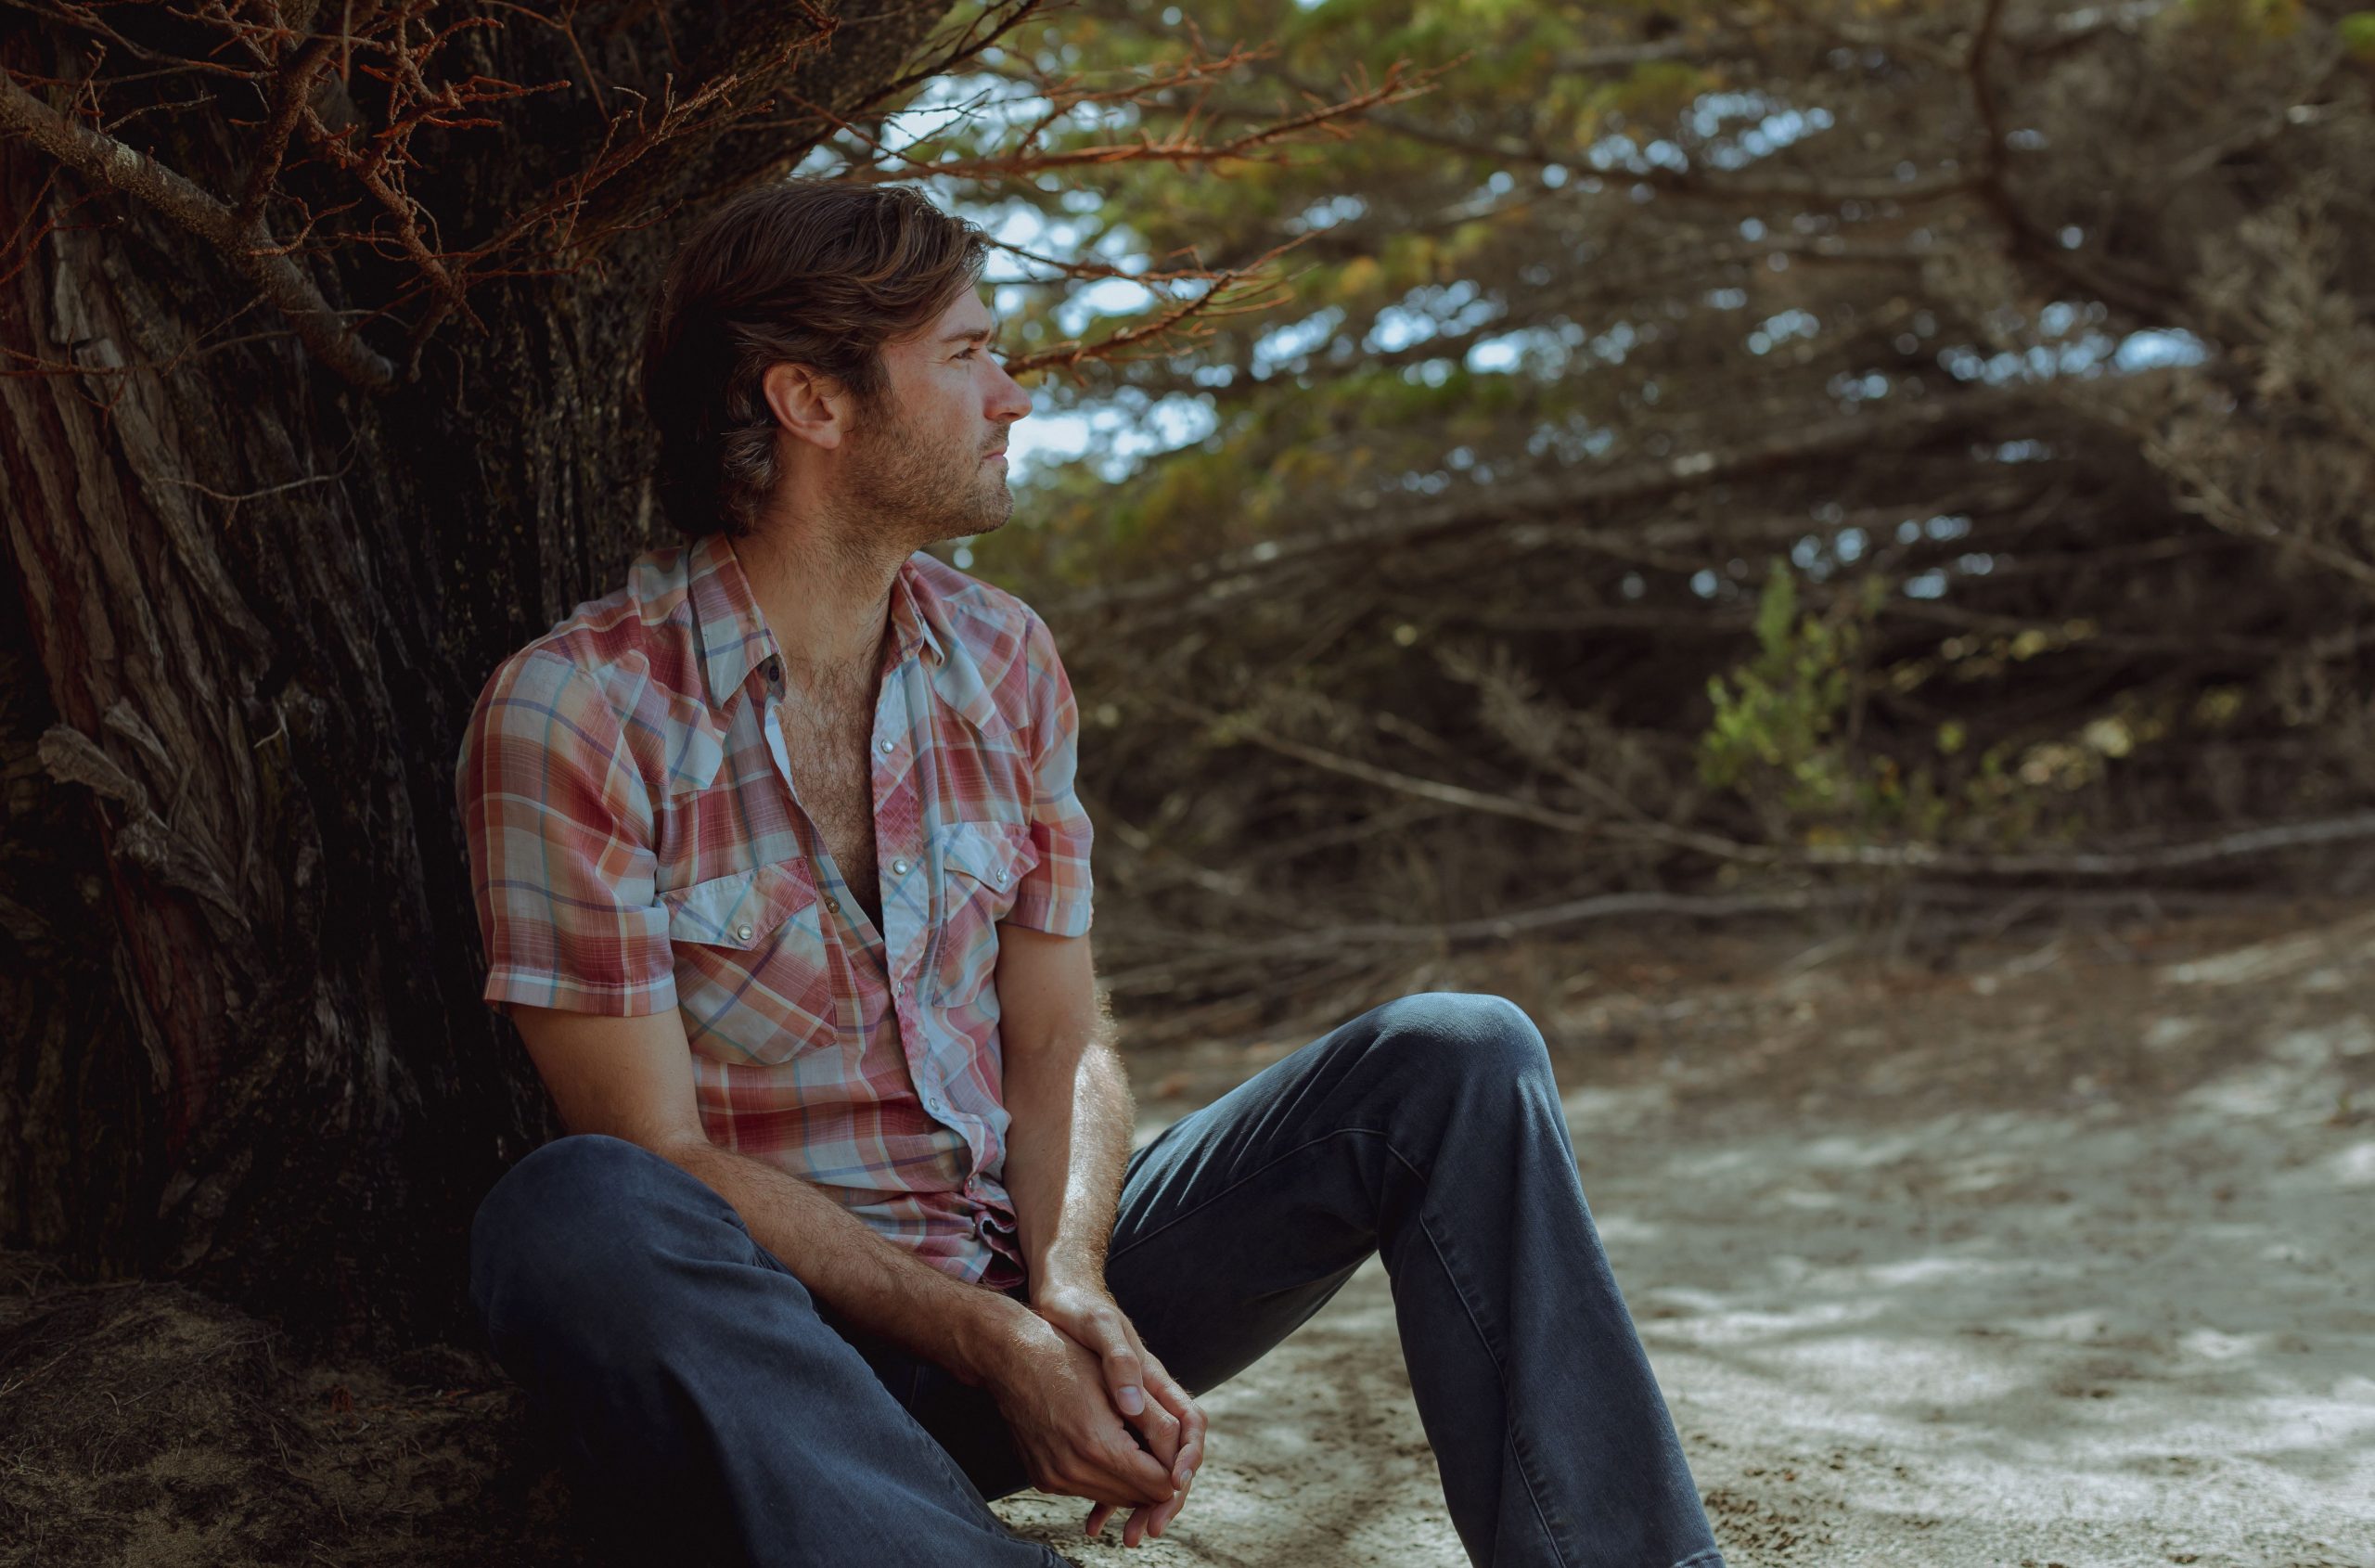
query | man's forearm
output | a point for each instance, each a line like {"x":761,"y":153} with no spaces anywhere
{"x":873,"y":1284}
{"x":1068,"y":1143}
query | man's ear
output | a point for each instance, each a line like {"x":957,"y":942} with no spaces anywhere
{"x":810,"y":404}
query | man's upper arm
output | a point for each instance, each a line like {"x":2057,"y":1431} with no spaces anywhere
{"x":1055,"y":894}
{"x":558,"y":822}
{"x":1047,"y":981}
{"x":1046,"y":990}
{"x":629,"y":1077}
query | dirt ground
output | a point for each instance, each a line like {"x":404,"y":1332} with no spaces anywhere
{"x":2052,"y":1252}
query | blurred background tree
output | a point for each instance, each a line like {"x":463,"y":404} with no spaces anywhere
{"x":1912,"y":457}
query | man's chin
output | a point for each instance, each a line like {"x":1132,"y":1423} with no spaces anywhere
{"x":993,"y":513}
{"x":971,"y":527}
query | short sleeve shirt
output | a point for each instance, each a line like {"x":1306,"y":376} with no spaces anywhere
{"x":636,"y":842}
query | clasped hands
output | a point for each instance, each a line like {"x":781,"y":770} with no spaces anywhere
{"x":1075,"y":1385}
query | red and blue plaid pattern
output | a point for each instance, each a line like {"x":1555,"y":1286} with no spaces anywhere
{"x":635,"y":843}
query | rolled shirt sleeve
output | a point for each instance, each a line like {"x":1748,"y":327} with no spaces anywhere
{"x":558,"y":821}
{"x":1054,"y":895}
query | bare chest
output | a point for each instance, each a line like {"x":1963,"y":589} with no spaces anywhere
{"x":826,"y":737}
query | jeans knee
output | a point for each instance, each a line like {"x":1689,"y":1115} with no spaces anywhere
{"x":1462,"y":1036}
{"x":563,"y":1224}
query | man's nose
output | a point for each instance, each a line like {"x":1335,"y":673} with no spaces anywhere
{"x":1010,"y":400}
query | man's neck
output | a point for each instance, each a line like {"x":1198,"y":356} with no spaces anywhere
{"x":827,"y":601}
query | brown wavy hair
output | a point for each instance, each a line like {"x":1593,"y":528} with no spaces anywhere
{"x":819,"y":273}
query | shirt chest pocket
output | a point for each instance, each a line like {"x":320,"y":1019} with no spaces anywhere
{"x":981,"y":868}
{"x":754,"y":976}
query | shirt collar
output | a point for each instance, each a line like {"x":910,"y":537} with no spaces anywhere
{"x":909,"y":623}
{"x":735,"y":639}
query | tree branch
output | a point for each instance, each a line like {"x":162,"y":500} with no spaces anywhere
{"x":1555,"y":498}
{"x":1926,"y":857}
{"x":250,"y":248}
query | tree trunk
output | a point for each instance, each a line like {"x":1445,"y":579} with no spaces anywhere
{"x":240,"y":1038}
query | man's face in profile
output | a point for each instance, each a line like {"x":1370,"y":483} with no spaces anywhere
{"x":927,"y":453}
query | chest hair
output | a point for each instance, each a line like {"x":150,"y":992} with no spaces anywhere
{"x":827,"y":731}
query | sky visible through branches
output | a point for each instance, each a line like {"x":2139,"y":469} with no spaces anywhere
{"x":1115,"y":431}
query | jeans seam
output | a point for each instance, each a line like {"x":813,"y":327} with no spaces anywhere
{"x":1510,"y":1429}
{"x":1265,"y":1167}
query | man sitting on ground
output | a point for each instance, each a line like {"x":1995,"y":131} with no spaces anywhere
{"x":783,"y":878}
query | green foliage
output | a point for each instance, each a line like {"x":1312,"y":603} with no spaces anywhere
{"x":1783,"y":735}
{"x":1778,"y":720}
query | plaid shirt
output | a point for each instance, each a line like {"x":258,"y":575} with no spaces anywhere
{"x":635,"y":843}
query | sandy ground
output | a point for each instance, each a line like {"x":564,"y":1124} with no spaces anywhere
{"x":2068,"y":1259}
{"x":2034,"y":1256}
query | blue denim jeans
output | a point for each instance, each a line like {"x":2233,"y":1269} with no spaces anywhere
{"x":713,"y":1405}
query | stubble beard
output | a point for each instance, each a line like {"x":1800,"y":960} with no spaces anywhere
{"x":908,"y":488}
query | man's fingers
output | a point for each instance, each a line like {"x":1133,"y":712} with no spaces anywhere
{"x":1096,"y":1518}
{"x":1124,"y":1373}
{"x":1106,"y":1333}
{"x":1190,"y":1458}
{"x":1117,"y":1469}
{"x":1163,"y":1513}
{"x":1152,"y":1473}
{"x":1149,"y":1475}
{"x":1166,"y":1388}
{"x":1190,"y":1416}
{"x":1160,"y":1430}
{"x":1106,"y":1465}
{"x":1113,"y":1490}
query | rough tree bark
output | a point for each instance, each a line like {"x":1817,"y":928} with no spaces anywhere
{"x":248,"y":605}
